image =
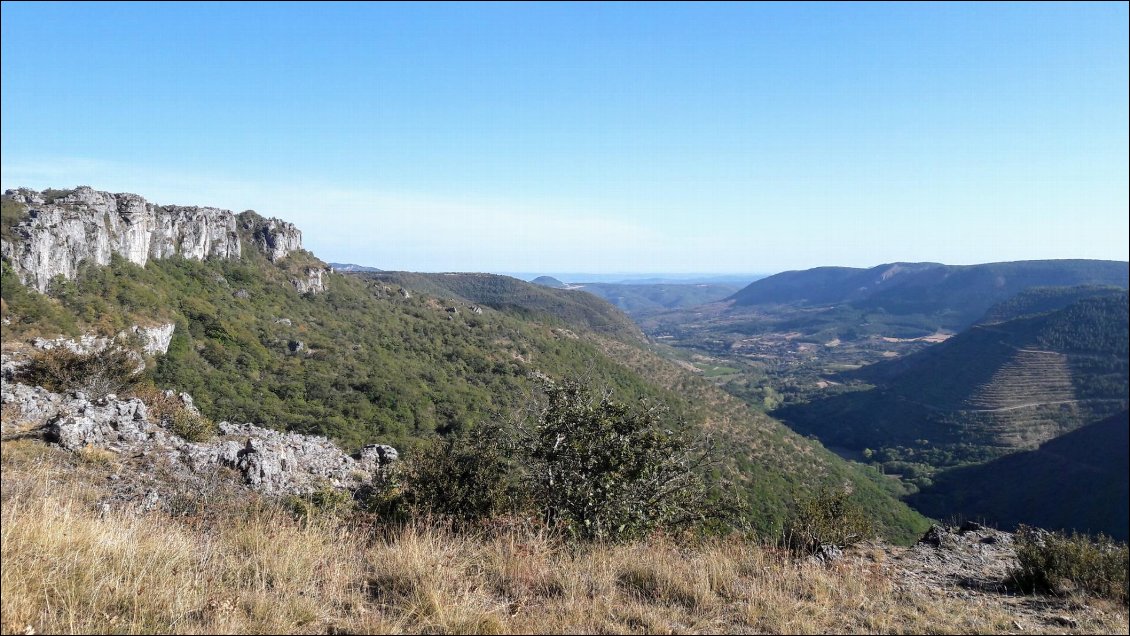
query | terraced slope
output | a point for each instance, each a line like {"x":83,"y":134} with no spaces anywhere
{"x":1030,"y":377}
{"x":997,"y":388}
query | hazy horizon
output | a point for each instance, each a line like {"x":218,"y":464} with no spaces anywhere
{"x":604,"y":138}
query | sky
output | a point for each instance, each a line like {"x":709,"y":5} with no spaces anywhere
{"x":594,"y":137}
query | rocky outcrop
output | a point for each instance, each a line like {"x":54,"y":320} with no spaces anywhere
{"x":92,"y":226}
{"x":155,"y":339}
{"x":152,"y":340}
{"x":275,"y":238}
{"x":312,"y":282}
{"x":267,"y":460}
{"x":86,"y":225}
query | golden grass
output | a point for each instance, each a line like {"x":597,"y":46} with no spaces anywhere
{"x":69,"y":568}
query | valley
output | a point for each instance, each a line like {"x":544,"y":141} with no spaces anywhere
{"x":923,"y":376}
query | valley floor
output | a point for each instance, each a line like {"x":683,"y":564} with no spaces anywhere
{"x":240,"y":565}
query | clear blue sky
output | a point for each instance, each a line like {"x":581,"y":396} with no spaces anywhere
{"x":594,"y":137}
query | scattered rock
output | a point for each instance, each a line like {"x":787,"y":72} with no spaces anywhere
{"x":267,"y":460}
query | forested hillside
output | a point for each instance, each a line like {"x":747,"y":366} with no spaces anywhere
{"x":404,"y":359}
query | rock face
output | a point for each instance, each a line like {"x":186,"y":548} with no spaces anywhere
{"x":92,"y":226}
{"x":274,"y":238}
{"x":267,"y":460}
{"x":312,"y":283}
{"x":153,"y":340}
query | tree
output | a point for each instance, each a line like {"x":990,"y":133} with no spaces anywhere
{"x":606,"y":471}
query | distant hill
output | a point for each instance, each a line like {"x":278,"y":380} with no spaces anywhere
{"x":939,"y":296}
{"x":993,"y":388}
{"x":350,"y":267}
{"x":519,"y":298}
{"x":548,"y":281}
{"x":635,"y":299}
{"x":1075,"y":482}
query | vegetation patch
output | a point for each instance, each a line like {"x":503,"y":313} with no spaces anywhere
{"x":828,"y":518}
{"x":1061,"y":563}
{"x":97,"y":373}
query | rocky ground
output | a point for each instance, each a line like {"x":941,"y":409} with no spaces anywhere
{"x":972,"y":563}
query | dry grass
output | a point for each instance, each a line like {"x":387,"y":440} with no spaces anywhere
{"x":69,"y":568}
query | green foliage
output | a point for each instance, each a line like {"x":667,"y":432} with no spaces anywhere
{"x":605,"y":471}
{"x":97,"y":374}
{"x":465,"y":477}
{"x":11,"y":213}
{"x":380,"y":367}
{"x":561,"y":307}
{"x":191,"y":425}
{"x":1060,"y":563}
{"x":830,"y":517}
{"x":50,"y":195}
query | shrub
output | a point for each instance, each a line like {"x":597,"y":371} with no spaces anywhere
{"x":828,"y":518}
{"x":464,"y":478}
{"x":191,"y":425}
{"x":604,"y":471}
{"x":1059,"y":563}
{"x":97,"y":373}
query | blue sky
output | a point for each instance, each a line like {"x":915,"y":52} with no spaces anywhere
{"x":594,"y":137}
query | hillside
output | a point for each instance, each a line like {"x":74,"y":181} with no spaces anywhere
{"x":990,"y":390}
{"x":518,"y":298}
{"x":400,"y":358}
{"x":548,"y":281}
{"x":945,"y":296}
{"x":637,"y":299}
{"x":1078,"y":481}
{"x":1040,"y":300}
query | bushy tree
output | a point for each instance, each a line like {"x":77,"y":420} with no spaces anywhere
{"x":466,"y":477}
{"x":603,"y":470}
{"x":827,"y":518}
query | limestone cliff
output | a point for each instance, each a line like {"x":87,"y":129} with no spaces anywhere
{"x":61,"y":231}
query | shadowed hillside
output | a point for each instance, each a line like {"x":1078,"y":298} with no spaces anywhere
{"x":1075,"y":482}
{"x":990,"y":390}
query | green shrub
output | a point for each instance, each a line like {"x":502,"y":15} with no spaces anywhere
{"x":97,"y":374}
{"x":1060,"y":564}
{"x":828,"y":518}
{"x":191,"y":425}
{"x":604,"y":471}
{"x":465,"y":477}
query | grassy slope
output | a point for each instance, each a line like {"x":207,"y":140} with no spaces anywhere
{"x":250,"y":567}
